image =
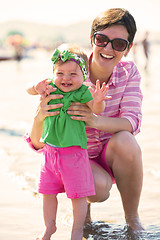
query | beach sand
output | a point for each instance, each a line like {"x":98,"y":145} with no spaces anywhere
{"x":20,"y":206}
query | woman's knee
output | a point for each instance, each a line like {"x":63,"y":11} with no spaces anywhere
{"x":123,"y":152}
{"x":124,"y":145}
{"x":98,"y":198}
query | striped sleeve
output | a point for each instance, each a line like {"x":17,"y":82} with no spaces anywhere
{"x":28,"y":140}
{"x":130,"y":106}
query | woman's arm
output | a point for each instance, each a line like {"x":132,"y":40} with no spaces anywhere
{"x":41,"y":114}
{"x":112,"y":125}
{"x":103,"y":123}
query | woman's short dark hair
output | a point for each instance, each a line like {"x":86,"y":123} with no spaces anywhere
{"x":115,"y":16}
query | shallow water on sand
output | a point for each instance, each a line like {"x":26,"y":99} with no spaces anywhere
{"x":16,"y":159}
{"x":101,"y":231}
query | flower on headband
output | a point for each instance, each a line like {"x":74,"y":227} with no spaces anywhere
{"x":66,"y":55}
{"x":55,"y":56}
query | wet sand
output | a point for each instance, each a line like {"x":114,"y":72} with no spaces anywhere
{"x":20,"y":206}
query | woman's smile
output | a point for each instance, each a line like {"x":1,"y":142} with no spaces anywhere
{"x":106,"y":56}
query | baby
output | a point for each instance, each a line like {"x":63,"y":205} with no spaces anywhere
{"x":66,"y":167}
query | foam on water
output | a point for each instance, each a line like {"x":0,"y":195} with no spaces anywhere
{"x":26,"y":181}
{"x":156,"y":173}
{"x":11,"y":128}
{"x":102,"y":231}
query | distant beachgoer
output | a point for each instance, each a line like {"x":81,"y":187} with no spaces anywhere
{"x":145,"y":44}
{"x":66,"y":167}
{"x":18,"y":52}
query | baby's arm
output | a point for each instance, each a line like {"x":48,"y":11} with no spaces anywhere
{"x":97,"y":105}
{"x":43,"y":88}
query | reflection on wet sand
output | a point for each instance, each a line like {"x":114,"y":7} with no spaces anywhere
{"x":101,"y":231}
{"x":19,"y":165}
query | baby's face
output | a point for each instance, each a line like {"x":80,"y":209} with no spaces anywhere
{"x":68,"y":76}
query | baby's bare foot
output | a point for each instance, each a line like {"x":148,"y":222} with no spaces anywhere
{"x":50,"y":229}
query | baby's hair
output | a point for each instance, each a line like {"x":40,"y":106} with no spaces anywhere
{"x":73,"y":48}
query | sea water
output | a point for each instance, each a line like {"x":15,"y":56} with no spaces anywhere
{"x":16,"y":159}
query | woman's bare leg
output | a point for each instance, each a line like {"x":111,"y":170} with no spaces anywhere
{"x":79,"y":215}
{"x":103,"y":184}
{"x":49,"y":213}
{"x":124,"y":157}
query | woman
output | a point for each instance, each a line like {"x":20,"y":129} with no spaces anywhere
{"x":115,"y":156}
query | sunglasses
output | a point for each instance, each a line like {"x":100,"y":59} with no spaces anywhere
{"x":102,"y":40}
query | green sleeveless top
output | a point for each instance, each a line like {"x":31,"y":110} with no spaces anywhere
{"x":61,"y":130}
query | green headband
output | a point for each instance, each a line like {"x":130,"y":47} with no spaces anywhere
{"x":66,"y":55}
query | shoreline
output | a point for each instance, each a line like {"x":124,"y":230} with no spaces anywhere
{"x":21,"y":212}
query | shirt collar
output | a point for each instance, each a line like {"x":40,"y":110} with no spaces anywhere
{"x":114,"y":78}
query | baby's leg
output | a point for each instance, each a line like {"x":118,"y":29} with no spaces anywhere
{"x":79,"y":215}
{"x":49,"y":213}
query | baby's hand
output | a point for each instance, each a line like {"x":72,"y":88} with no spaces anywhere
{"x":99,"y":93}
{"x":43,"y":88}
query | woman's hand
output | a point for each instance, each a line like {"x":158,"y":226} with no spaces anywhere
{"x":41,"y":114}
{"x":82,"y":112}
{"x":43,"y":108}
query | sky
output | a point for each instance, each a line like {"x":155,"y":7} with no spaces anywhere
{"x":63,"y":12}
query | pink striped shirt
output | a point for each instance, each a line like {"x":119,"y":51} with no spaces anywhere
{"x":124,"y":87}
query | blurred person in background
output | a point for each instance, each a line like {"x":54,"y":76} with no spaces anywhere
{"x":145,"y":45}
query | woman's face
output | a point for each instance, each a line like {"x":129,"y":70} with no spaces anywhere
{"x":106,"y":57}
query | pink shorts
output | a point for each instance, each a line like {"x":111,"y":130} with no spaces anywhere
{"x":101,"y":160}
{"x":66,"y":170}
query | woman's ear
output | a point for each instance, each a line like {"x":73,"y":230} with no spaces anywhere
{"x":128,"y":50}
{"x":91,"y":39}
